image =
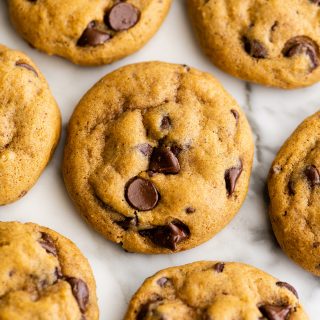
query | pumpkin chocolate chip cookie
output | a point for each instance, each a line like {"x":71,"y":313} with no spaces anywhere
{"x":43,"y":275}
{"x":294,"y":189}
{"x":158,"y":157}
{"x":30,"y":124}
{"x":215,"y":290}
{"x":86,"y":32}
{"x":275,"y":43}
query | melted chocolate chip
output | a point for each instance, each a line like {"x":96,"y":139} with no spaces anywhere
{"x":128,"y":223}
{"x":141,"y":194}
{"x":164,"y":161}
{"x":272,"y":312}
{"x":47,"y":243}
{"x":167,"y":236}
{"x":122,"y":16}
{"x":255,"y":48}
{"x":231,"y":177}
{"x":176,"y":150}
{"x":80,"y":291}
{"x":219,"y":267}
{"x":22,"y":64}
{"x":302,"y":45}
{"x":145,"y":307}
{"x":145,"y":149}
{"x":162,"y":282}
{"x":165,"y":123}
{"x":190,"y":210}
{"x":312,"y":175}
{"x":235,"y":114}
{"x":92,"y":36}
{"x":287,"y":286}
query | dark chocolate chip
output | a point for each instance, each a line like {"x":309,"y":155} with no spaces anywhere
{"x":122,"y":16}
{"x":186,"y":67}
{"x":22,"y":64}
{"x":145,"y":149}
{"x":165,"y":123}
{"x":144,"y":309}
{"x":315,"y":2}
{"x":312,"y":175}
{"x":190,"y":210}
{"x":47,"y":243}
{"x":128,"y":223}
{"x":163,"y":281}
{"x":164,"y":161}
{"x":255,"y":48}
{"x":287,"y":286}
{"x":231,"y":177}
{"x":92,"y":36}
{"x":167,"y":236}
{"x":291,"y":188}
{"x":272,"y":312}
{"x":316,"y":245}
{"x":219,"y":267}
{"x":58,"y":273}
{"x":80,"y":291}
{"x":141,"y":194}
{"x":302,"y":45}
{"x":235,"y":114}
{"x":176,"y":150}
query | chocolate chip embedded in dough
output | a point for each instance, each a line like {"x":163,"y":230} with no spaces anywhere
{"x":47,"y":243}
{"x":287,"y":286}
{"x":231,"y":177}
{"x":164,"y":161}
{"x":92,"y":36}
{"x":22,"y":64}
{"x":255,"y":48}
{"x":272,"y":312}
{"x":80,"y":291}
{"x":312,"y":175}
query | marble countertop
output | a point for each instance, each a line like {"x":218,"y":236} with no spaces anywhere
{"x":273,"y":115}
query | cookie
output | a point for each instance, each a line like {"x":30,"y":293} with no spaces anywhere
{"x":43,"y":275}
{"x":294,"y":190}
{"x":30,"y":124}
{"x":274,"y":43}
{"x":158,"y":157}
{"x":215,"y":290}
{"x":86,"y":32}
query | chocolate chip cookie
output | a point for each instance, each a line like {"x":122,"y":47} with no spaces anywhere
{"x":43,"y":275}
{"x":275,"y":43}
{"x":158,"y":157}
{"x":86,"y":32}
{"x":29,"y":124}
{"x":215,"y":290}
{"x":294,"y":189}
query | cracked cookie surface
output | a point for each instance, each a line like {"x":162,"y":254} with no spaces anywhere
{"x":158,"y":157}
{"x":275,"y":43}
{"x":43,"y":276}
{"x":214,"y":290}
{"x":30,"y":124}
{"x":86,"y":32}
{"x":294,"y":190}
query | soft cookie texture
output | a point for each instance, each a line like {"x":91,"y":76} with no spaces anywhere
{"x":43,"y":276}
{"x":30,"y":124}
{"x":294,"y":189}
{"x":215,"y":291}
{"x":275,"y":43}
{"x":158,"y":157}
{"x":86,"y":32}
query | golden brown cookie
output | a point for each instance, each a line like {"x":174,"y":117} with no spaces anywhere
{"x":158,"y":157}
{"x":294,"y":189}
{"x":86,"y":32}
{"x":275,"y":43}
{"x":30,"y":124}
{"x":43,"y":276}
{"x":215,"y":291}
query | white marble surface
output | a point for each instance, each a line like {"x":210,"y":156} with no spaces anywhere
{"x":273,"y":115}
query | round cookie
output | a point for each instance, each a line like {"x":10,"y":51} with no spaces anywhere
{"x":30,"y":124}
{"x":214,"y":290}
{"x":294,"y":190}
{"x":43,"y":275}
{"x":275,"y":43}
{"x":86,"y":32}
{"x":158,"y":157}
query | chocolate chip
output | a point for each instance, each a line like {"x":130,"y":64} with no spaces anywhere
{"x":145,"y":149}
{"x":315,"y":2}
{"x":80,"y":291}
{"x":186,"y":67}
{"x":291,"y":188}
{"x":164,"y":161}
{"x":122,"y":16}
{"x":141,"y":194}
{"x":167,"y":236}
{"x":316,"y":245}
{"x":302,"y":45}
{"x":145,"y":307}
{"x":312,"y":175}
{"x":272,"y":312}
{"x":128,"y":223}
{"x":190,"y":210}
{"x":176,"y":150}
{"x":235,"y":114}
{"x":287,"y":286}
{"x":255,"y":48}
{"x":219,"y":267}
{"x":58,"y":273}
{"x":47,"y":243}
{"x":165,"y":123}
{"x":163,"y":281}
{"x":92,"y":36}
{"x":231,"y":177}
{"x":22,"y":64}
